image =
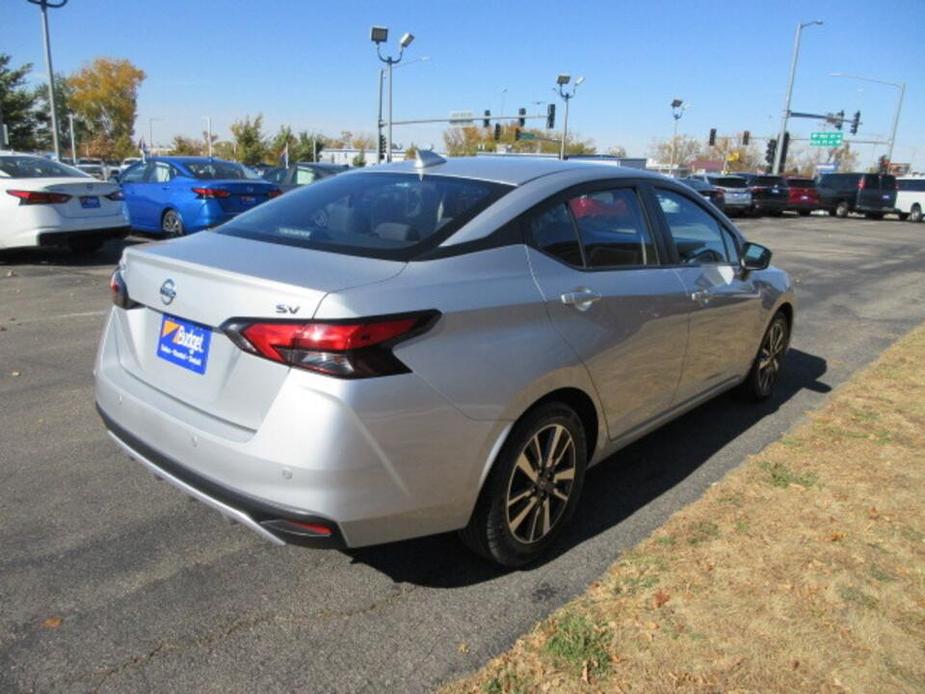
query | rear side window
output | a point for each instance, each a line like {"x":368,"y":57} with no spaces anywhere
{"x":552,"y":232}
{"x":381,"y":215}
{"x":916,"y":185}
{"x":729,"y":182}
{"x":612,"y":229}
{"x":698,"y":235}
{"x":216,"y":170}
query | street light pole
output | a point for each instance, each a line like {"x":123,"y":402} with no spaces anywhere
{"x":786,"y":114}
{"x":677,"y":110}
{"x":901,"y":86}
{"x":45,"y":4}
{"x":562,"y":80}
{"x":208,"y":120}
{"x":70,"y":119}
{"x":151,"y":132}
{"x":380,"y":35}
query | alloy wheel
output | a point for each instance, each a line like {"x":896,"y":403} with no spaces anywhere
{"x":540,"y":484}
{"x":770,"y":355}
{"x":172,"y":224}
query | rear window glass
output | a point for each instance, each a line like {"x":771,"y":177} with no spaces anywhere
{"x":770,"y":181}
{"x":729,"y":182}
{"x":911,"y":184}
{"x":36,"y":167}
{"x":871,"y":181}
{"x":801,"y":182}
{"x":394,"y":216}
{"x":888,"y":182}
{"x":215,"y":170}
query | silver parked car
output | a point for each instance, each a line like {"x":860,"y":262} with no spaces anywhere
{"x":432,"y":346}
{"x":737,"y":199}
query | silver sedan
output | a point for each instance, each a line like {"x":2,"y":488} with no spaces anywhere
{"x":432,"y":346}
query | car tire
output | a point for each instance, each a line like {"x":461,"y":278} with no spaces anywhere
{"x":841,"y":210}
{"x":804,"y":213}
{"x":765,"y":371}
{"x":874,"y":215}
{"x":171,"y":224}
{"x":903,"y":216}
{"x":85,"y":246}
{"x":915,"y":214}
{"x":520,"y":511}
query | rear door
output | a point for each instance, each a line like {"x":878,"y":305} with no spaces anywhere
{"x":722,"y":302}
{"x":870,"y":196}
{"x":596,"y":261}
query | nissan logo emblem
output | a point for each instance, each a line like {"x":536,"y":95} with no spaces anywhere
{"x":168,"y":292}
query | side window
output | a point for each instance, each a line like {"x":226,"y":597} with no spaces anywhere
{"x":698,"y":235}
{"x":275,"y":175}
{"x":552,"y":231}
{"x":613,"y":229}
{"x":160,"y":173}
{"x":304,"y":176}
{"x":134,"y":174}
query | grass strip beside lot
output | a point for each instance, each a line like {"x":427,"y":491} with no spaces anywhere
{"x":803,"y":569}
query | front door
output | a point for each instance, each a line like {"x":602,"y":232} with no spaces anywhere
{"x":594,"y":259}
{"x":723,"y":302}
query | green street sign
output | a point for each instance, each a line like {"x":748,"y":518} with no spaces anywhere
{"x":527,"y":136}
{"x":826,"y":139}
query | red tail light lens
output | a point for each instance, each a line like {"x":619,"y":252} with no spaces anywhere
{"x":39,"y":197}
{"x":275,"y":193}
{"x":115,"y":196}
{"x":119,"y":289}
{"x":345,"y":349}
{"x":211,"y":193}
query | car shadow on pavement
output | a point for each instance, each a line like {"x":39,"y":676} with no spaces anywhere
{"x":614,"y":490}
{"x":108,"y":254}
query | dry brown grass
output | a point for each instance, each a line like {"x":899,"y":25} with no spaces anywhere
{"x":802,"y":570}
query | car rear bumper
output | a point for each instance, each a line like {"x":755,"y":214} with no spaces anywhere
{"x":62,"y":238}
{"x":375,"y":460}
{"x":769,"y":205}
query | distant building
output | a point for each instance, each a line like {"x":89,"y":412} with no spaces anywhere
{"x":706,"y":166}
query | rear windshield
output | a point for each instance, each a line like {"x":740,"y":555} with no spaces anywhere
{"x":729,"y":182}
{"x":770,"y":181}
{"x":215,"y":170}
{"x":35,"y":167}
{"x":888,"y":182}
{"x":801,"y":182}
{"x":393,"y":216}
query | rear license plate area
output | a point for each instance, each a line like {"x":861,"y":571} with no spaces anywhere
{"x":184,"y":343}
{"x":89,"y":202}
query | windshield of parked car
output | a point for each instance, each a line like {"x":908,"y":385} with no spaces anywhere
{"x":392,"y":215}
{"x":729,"y":182}
{"x":35,"y":167}
{"x":216,"y":170}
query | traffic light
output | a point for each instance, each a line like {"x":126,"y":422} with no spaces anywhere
{"x":841,"y":119}
{"x":381,"y":147}
{"x":855,"y":123}
{"x":486,"y":122}
{"x":712,"y":137}
{"x":522,"y":112}
{"x":783,"y":152}
{"x":770,"y":152}
{"x":550,"y":116}
{"x":746,"y":138}
{"x":497,"y":132}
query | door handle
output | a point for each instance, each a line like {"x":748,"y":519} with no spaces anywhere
{"x":582,"y":299}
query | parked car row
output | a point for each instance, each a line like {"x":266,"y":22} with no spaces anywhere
{"x":871,"y":194}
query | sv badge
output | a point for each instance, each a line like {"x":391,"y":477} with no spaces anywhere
{"x":287,"y":309}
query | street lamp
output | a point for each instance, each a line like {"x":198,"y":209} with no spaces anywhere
{"x":901,"y":86}
{"x":380,"y":35}
{"x":422,"y":59}
{"x":151,"y":132}
{"x":678,"y":107}
{"x":208,"y":120}
{"x":70,"y":120}
{"x":562,"y":81}
{"x":45,"y":4}
{"x":778,"y":156}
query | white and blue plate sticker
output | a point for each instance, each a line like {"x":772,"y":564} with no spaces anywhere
{"x":184,"y":343}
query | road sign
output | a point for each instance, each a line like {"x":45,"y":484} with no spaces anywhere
{"x":826,"y":168}
{"x":461,"y":118}
{"x":826,"y":139}
{"x":527,"y":136}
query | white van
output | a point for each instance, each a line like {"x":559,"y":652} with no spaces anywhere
{"x":910,"y":198}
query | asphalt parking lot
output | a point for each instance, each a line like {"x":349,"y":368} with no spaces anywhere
{"x":114,"y":582}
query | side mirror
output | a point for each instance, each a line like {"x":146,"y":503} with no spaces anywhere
{"x":755,"y":257}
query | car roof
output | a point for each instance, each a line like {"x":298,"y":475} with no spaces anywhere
{"x":190,"y":160}
{"x":511,"y":170}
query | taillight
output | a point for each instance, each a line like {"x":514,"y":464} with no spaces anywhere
{"x":211,"y":193}
{"x":39,"y":197}
{"x":345,"y":349}
{"x":119,"y":289}
{"x":115,"y":196}
{"x":861,"y":183}
{"x":275,"y":193}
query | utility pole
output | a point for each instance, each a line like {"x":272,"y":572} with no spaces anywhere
{"x":45,"y":4}
{"x":562,"y":80}
{"x":208,"y":120}
{"x":70,"y":120}
{"x":793,"y":71}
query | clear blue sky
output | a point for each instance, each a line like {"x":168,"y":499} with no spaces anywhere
{"x":311,"y":65}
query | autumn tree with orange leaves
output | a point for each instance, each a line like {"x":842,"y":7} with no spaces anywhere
{"x":104,"y":96}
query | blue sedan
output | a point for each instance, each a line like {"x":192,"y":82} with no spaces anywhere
{"x":180,"y":195}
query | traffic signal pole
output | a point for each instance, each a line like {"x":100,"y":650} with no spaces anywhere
{"x":793,"y":71}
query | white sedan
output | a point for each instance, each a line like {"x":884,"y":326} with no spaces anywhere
{"x":45,"y":203}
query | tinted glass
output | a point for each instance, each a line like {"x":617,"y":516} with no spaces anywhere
{"x":275,"y":175}
{"x":215,"y":170}
{"x":35,"y":167}
{"x":304,"y":176}
{"x":552,"y":231}
{"x":696,"y":184}
{"x":134,"y":174}
{"x":729,"y":181}
{"x":770,"y":181}
{"x":379,"y":215}
{"x":871,"y":181}
{"x":698,"y":235}
{"x":613,"y":229}
{"x":888,"y":182}
{"x":801,"y":182}
{"x":911,"y":184}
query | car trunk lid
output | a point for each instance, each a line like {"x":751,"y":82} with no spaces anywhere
{"x":88,"y":196}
